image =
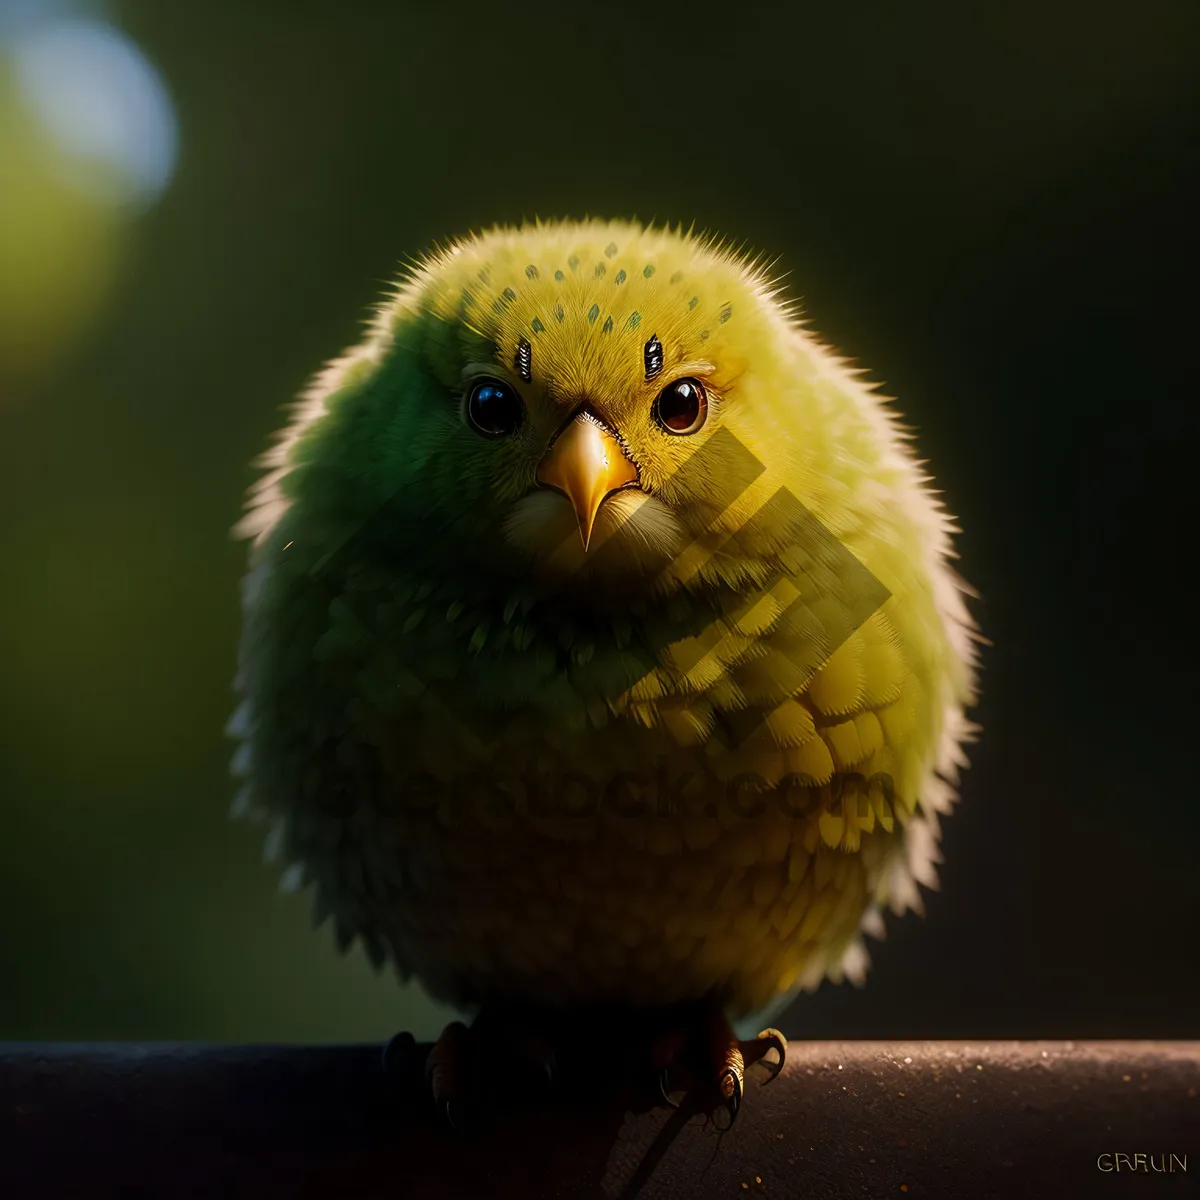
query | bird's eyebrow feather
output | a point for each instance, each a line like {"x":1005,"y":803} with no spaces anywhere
{"x":523,"y":360}
{"x":653,"y":357}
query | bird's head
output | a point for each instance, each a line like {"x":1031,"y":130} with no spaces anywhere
{"x":592,"y":402}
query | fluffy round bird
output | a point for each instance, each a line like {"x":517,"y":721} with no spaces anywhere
{"x":601,"y":645}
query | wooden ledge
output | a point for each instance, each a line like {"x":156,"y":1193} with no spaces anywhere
{"x":864,"y":1119}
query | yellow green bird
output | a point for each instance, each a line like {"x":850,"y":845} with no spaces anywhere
{"x":602,"y":650}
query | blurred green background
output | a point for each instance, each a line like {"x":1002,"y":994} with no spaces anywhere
{"x":991,"y":206}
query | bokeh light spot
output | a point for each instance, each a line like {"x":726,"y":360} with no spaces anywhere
{"x":102,"y":103}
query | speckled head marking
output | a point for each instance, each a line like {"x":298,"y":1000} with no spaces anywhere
{"x":585,"y":291}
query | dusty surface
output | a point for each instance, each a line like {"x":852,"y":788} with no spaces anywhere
{"x":864,"y":1119}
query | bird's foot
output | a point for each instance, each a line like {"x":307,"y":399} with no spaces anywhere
{"x":470,"y":1069}
{"x":507,"y":1058}
{"x":705,"y":1060}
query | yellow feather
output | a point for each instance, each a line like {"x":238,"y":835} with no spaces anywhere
{"x":811,"y":760}
{"x":798,"y":861}
{"x":832,"y":828}
{"x":870,"y":733}
{"x":766,"y":886}
{"x":844,"y":744}
{"x":790,"y":724}
{"x":838,"y":686}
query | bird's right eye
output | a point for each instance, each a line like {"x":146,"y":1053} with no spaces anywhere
{"x":494,"y":409}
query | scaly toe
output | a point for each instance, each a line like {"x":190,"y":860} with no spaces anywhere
{"x":756,"y":1051}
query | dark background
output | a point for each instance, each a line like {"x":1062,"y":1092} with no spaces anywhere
{"x":993,"y":207}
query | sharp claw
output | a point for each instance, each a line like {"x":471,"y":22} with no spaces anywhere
{"x":730,"y":1087}
{"x":662,"y":1087}
{"x":778,"y":1043}
{"x":456,"y":1114}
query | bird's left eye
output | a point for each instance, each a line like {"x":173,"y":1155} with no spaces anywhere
{"x":682,"y":406}
{"x":494,"y":408}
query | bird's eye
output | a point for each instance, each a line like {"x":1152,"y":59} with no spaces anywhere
{"x":494,"y":408}
{"x":682,"y":406}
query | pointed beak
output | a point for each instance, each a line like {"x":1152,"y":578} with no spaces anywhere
{"x":586,"y":463}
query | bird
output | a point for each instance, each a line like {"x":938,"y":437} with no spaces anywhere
{"x":602,"y":650}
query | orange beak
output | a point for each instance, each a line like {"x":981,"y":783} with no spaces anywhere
{"x":586,"y":464}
